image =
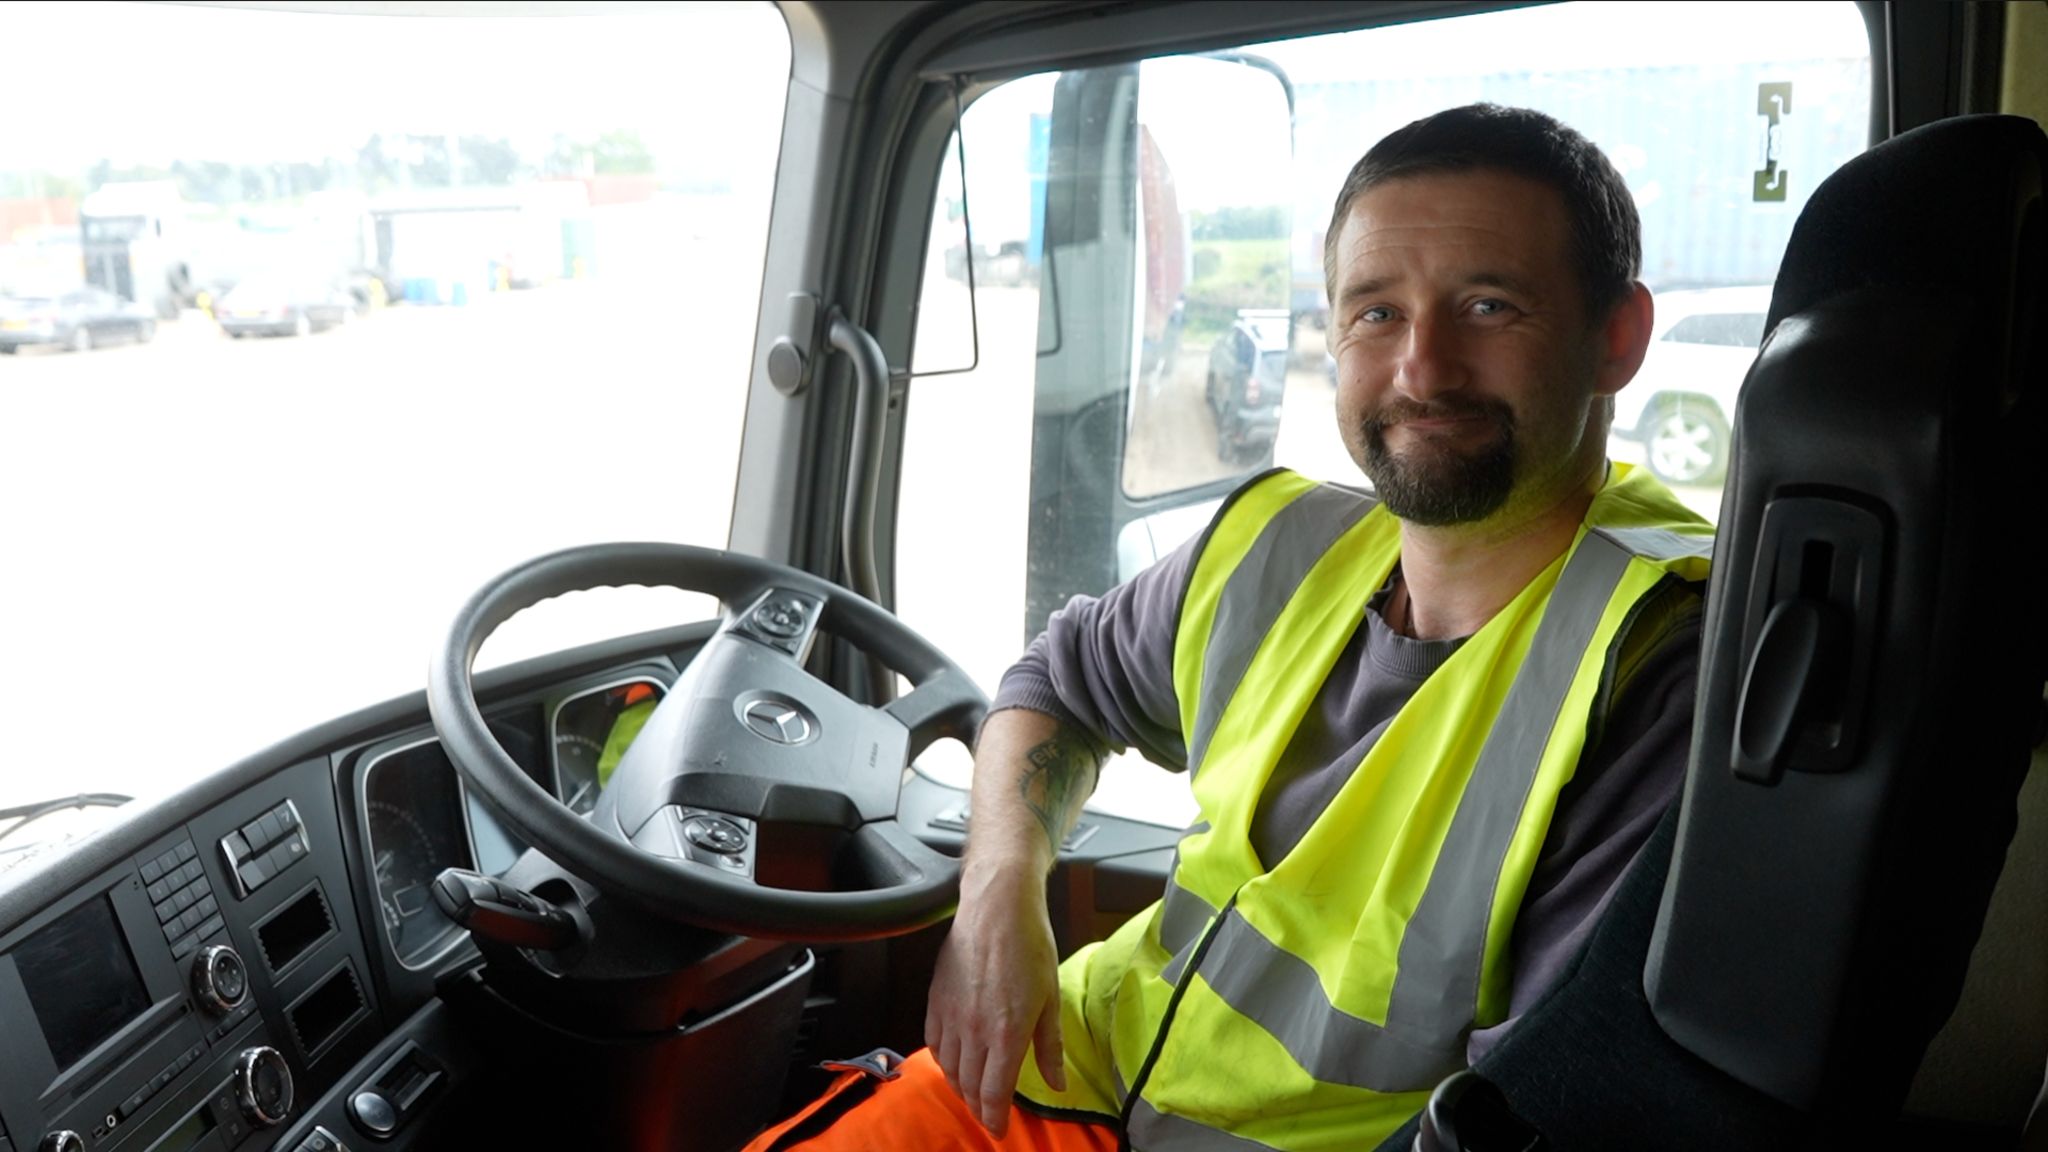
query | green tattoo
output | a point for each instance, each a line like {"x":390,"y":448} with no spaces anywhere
{"x":1055,"y":778}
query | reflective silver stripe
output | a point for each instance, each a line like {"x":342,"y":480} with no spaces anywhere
{"x":1436,"y":986}
{"x":1150,"y":1128}
{"x":1182,"y":916}
{"x":1658,"y":543}
{"x":1278,"y":990}
{"x":1259,"y":588}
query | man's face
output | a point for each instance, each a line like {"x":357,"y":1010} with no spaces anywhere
{"x":1466,"y":369}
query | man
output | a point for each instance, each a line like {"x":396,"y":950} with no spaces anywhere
{"x":1428,"y":732}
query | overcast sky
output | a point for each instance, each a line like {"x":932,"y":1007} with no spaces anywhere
{"x":148,"y":83}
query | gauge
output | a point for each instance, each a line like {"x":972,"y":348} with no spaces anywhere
{"x":404,"y":860}
{"x":592,"y":731}
{"x":413,"y":812}
{"x":576,"y":760}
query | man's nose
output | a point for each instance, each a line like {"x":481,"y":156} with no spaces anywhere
{"x":1430,"y":363}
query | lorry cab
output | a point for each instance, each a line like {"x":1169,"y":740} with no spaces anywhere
{"x":540,"y":709}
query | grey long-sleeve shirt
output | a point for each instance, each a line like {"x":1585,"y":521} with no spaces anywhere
{"x":1105,"y":665}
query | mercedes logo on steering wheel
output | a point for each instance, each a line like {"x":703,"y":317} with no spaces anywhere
{"x":778,"y":722}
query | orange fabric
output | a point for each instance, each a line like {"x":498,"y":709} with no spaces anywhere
{"x":918,"y":1112}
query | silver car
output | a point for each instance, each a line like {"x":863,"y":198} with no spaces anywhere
{"x":1681,"y":405}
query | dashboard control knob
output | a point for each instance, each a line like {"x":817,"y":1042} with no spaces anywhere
{"x":263,"y":1086}
{"x":63,"y":1140}
{"x":373,"y":1113}
{"x":219,"y":979}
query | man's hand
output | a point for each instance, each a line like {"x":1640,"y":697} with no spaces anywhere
{"x":996,"y":990}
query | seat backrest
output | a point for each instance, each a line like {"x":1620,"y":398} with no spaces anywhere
{"x":1985,"y":1067}
{"x":1875,"y":629}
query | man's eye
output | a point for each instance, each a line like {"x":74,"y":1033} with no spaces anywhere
{"x":1377,"y":315}
{"x":1489,"y":307}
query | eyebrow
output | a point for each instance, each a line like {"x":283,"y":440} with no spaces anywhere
{"x":1486,"y":279}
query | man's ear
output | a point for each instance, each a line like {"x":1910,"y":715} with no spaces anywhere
{"x":1625,"y":339}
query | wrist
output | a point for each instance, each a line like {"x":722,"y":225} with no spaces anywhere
{"x":1022,"y":869}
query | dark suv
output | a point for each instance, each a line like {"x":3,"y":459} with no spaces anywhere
{"x":1247,"y":374}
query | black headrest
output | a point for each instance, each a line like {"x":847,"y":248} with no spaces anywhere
{"x":1941,"y":206}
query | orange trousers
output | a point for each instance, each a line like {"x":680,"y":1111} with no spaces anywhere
{"x":878,"y":1103}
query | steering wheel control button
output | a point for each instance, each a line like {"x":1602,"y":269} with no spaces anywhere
{"x":783,"y":620}
{"x":373,"y":1113}
{"x":263,"y":1086}
{"x":715,"y":834}
{"x":778,"y":720}
{"x":219,"y":979}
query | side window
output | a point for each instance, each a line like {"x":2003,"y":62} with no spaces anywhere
{"x":1024,"y":483}
{"x":1724,"y":329}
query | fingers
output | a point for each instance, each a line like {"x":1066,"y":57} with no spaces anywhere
{"x":996,"y":1083}
{"x":946,"y":1050}
{"x":1045,"y":1045}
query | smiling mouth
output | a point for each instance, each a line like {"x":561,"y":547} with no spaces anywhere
{"x":1458,"y":425}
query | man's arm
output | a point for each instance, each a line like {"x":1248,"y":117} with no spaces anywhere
{"x":996,"y":989}
{"x":1100,"y":677}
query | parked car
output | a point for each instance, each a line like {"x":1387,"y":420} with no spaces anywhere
{"x":1247,"y":374}
{"x":283,"y":307}
{"x":80,"y":320}
{"x":1681,"y":405}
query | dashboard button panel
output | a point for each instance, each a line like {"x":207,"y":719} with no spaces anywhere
{"x":261,"y":850}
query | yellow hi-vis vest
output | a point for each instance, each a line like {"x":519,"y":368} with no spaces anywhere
{"x":1315,"y":1002}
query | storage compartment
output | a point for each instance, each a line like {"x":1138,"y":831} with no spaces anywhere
{"x":321,"y":1016}
{"x":708,"y":1083}
{"x":293,"y":931}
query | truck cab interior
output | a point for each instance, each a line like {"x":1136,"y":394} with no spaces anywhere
{"x":719,"y":468}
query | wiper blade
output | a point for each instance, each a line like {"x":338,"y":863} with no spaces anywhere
{"x":23,"y":814}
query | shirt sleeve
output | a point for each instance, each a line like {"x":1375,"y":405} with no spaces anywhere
{"x":1604,"y":817}
{"x":1104,"y":664}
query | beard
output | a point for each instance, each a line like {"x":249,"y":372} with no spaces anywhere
{"x":1435,"y":484}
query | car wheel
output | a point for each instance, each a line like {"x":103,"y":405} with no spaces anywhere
{"x":303,"y":326}
{"x":1687,"y":442}
{"x":81,"y":339}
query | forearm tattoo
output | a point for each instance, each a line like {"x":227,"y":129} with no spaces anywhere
{"x":1061,"y":770}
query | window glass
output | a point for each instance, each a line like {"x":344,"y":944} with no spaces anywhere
{"x":1726,"y":329}
{"x":433,"y":296}
{"x":1721,"y":117}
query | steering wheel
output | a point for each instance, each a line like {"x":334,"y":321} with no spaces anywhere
{"x":758,"y":800}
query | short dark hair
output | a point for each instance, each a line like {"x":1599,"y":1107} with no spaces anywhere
{"x":1606,"y":232}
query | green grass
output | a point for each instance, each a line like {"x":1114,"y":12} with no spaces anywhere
{"x":1234,"y":274}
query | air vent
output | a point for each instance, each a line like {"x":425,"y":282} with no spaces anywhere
{"x":321,"y":1016}
{"x":293,"y":931}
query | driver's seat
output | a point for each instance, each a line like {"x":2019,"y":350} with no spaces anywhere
{"x":1772,"y":969}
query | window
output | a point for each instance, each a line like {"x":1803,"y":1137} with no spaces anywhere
{"x":1725,"y":329}
{"x":1164,"y":340}
{"x":434,"y":296}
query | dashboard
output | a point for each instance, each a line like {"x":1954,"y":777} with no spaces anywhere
{"x":216,"y":986}
{"x":256,"y":963}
